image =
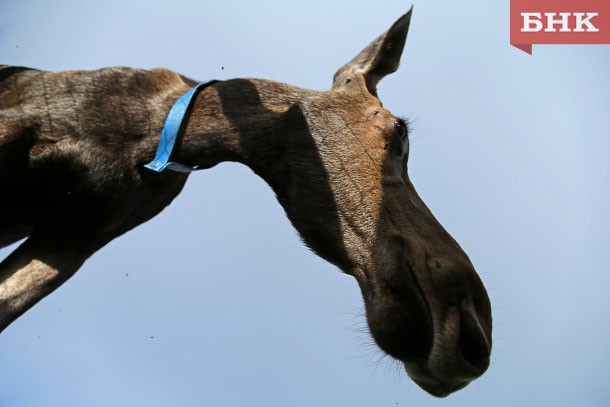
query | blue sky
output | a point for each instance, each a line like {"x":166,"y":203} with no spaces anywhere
{"x":216,"y":303}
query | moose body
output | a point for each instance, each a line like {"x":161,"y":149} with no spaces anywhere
{"x":73,"y":146}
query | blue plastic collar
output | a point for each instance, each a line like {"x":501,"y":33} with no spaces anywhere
{"x":173,"y":123}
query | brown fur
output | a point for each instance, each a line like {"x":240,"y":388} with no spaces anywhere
{"x":73,"y":147}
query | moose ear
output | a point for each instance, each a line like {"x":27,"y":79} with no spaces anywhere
{"x":380,"y":58}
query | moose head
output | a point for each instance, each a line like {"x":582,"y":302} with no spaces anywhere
{"x":351,"y":199}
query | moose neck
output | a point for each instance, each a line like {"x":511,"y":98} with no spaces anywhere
{"x":241,"y":120}
{"x":268,"y":127}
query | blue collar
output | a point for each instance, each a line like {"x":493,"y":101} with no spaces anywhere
{"x":174,"y":123}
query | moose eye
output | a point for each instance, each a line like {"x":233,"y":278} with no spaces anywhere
{"x":403,"y":134}
{"x":401,"y":129}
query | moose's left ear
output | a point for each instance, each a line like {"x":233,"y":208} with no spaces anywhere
{"x":379,"y":59}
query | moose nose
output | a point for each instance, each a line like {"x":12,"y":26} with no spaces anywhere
{"x":459,"y":286}
{"x":473,"y":343}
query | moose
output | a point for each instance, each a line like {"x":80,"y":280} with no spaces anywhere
{"x":75,"y":154}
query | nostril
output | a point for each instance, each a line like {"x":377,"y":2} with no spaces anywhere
{"x":473,"y":342}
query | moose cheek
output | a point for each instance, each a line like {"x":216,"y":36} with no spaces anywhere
{"x":401,"y":327}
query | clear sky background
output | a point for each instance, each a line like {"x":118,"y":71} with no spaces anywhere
{"x":215,"y":302}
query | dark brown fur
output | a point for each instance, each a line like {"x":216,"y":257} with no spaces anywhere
{"x":73,"y":147}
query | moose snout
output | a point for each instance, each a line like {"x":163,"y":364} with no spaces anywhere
{"x":461,"y":315}
{"x":473,"y":343}
{"x":459,"y":355}
{"x":458,"y":287}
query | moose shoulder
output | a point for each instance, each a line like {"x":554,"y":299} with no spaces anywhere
{"x":73,"y":150}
